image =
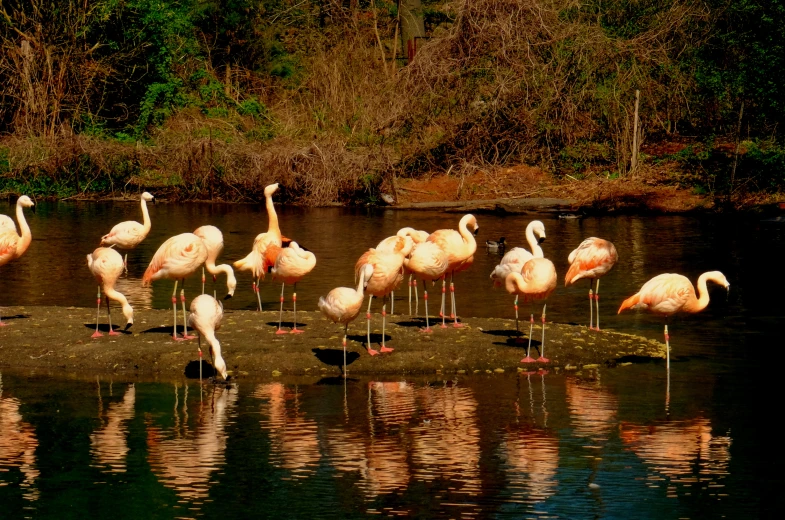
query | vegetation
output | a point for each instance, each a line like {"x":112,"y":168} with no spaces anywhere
{"x":217,"y":98}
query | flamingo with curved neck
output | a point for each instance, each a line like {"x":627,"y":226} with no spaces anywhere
{"x":514,"y":259}
{"x":214,"y":242}
{"x":12,"y":246}
{"x":460,"y":247}
{"x":107,"y":265}
{"x":536,"y":281}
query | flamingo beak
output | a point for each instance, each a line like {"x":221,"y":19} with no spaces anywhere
{"x":541,"y":240}
{"x":227,"y":296}
{"x":128,"y":326}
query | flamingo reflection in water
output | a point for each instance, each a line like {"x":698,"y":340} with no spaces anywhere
{"x":593,"y":409}
{"x":294,"y":437}
{"x":685,"y":451}
{"x":531,"y":452}
{"x":18,"y":443}
{"x":109,"y":444}
{"x":378,"y":457}
{"x":185,"y":458}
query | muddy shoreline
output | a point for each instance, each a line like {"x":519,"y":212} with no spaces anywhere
{"x":58,"y":339}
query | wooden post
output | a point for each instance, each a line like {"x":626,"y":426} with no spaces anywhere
{"x":635,"y":140}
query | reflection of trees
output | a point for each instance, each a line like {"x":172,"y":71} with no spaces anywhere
{"x":185,"y":458}
{"x":295,"y":444}
{"x":531,"y":454}
{"x":448,"y":446}
{"x":109,"y":444}
{"x":378,"y":458}
{"x":592,"y":409}
{"x":18,"y":444}
{"x":681,"y":450}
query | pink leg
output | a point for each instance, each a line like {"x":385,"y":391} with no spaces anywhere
{"x":528,"y":358}
{"x":454,"y":314}
{"x":258,"y":296}
{"x":597,"y":302}
{"x":518,"y":338}
{"x":185,"y":321}
{"x":442,"y":312}
{"x":280,"y":314}
{"x":368,"y":328}
{"x":384,"y":348}
{"x":295,"y":330}
{"x":174,"y":309}
{"x":425,"y":297}
{"x":97,"y":334}
{"x":591,"y":305}
{"x":109,"y":315}
{"x":542,"y":358}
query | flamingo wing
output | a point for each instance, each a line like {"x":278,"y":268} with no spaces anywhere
{"x":178,"y":257}
{"x":8,"y":241}
{"x":341,"y":305}
{"x":127,"y":234}
{"x":7,"y":222}
{"x":666,"y":293}
{"x":593,"y":258}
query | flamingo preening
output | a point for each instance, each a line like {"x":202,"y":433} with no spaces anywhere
{"x":460,"y":247}
{"x":667,"y":294}
{"x":13,"y":246}
{"x":205,"y":318}
{"x":592,"y":259}
{"x":387,"y":275}
{"x":255,"y":261}
{"x":417,"y":236}
{"x":343,"y":304}
{"x":107,"y":265}
{"x":291,"y":265}
{"x":536,"y":281}
{"x":177,"y":258}
{"x":427,"y":262}
{"x":214,"y":242}
{"x":129,"y":234}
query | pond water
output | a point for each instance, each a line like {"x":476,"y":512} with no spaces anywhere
{"x":597,"y":444}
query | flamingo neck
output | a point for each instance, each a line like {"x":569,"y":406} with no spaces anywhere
{"x":272,"y":216}
{"x":146,"y":223}
{"x":117,"y":296}
{"x":702,"y":299}
{"x":231,"y":281}
{"x":533,"y":244}
{"x":360,"y":288}
{"x":468,"y":237}
{"x":514,"y":283}
{"x":26,"y":237}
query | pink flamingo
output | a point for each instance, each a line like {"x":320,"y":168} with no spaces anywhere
{"x":460,"y":247}
{"x":343,"y":304}
{"x":205,"y":318}
{"x":514,"y":259}
{"x":536,"y":281}
{"x":177,"y":258}
{"x":291,"y":265}
{"x":129,"y":234}
{"x":255,"y":260}
{"x":666,"y":294}
{"x":107,"y":265}
{"x":593,"y":258}
{"x":387,"y":275}
{"x":12,"y":246}
{"x":428,"y":262}
{"x":214,"y":242}
{"x":417,"y":236}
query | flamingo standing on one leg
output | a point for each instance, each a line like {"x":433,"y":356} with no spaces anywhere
{"x":536,"y":281}
{"x":255,"y":260}
{"x":669,"y":293}
{"x":387,"y":275}
{"x":129,"y":234}
{"x":107,"y":265}
{"x":13,"y":246}
{"x":417,"y":236}
{"x":514,"y":259}
{"x":343,"y":304}
{"x":428,"y":262}
{"x":177,"y":258}
{"x":205,"y":318}
{"x":214,"y":242}
{"x":593,"y":258}
{"x":460,"y":247}
{"x":291,"y":265}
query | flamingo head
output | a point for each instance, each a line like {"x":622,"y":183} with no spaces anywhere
{"x":149,"y":197}
{"x":128,"y":312}
{"x":538,"y":228}
{"x":269,"y":190}
{"x":26,"y":202}
{"x":220,"y":367}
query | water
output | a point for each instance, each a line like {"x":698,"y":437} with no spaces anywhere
{"x":593,"y":445}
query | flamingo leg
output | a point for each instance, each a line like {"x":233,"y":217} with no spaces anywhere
{"x":444,"y":293}
{"x":185,"y":321}
{"x":280,"y":314}
{"x":518,"y":338}
{"x":392,"y":303}
{"x":199,"y":347}
{"x":425,"y":297}
{"x":258,"y":296}
{"x":384,"y":348}
{"x":97,"y":334}
{"x":542,"y":358}
{"x":174,"y":308}
{"x":454,"y":314}
{"x":597,"y":302}
{"x":417,"y":299}
{"x":368,"y":328}
{"x":345,"y":333}
{"x":295,"y":330}
{"x":668,"y":372}
{"x":528,"y":358}
{"x":410,"y":295}
{"x":109,"y":314}
{"x":591,"y":304}
{"x":203,"y":279}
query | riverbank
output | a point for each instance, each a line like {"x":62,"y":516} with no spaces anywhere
{"x":59,"y":338}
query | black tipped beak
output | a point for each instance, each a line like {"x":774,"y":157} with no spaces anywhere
{"x":153,"y":200}
{"x":541,"y":240}
{"x":128,"y":326}
{"x":476,"y":231}
{"x":33,"y":208}
{"x":227,"y":296}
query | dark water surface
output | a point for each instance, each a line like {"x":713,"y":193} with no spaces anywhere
{"x":597,"y":444}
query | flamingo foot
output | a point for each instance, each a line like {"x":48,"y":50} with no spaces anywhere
{"x":97,"y":334}
{"x":443,"y":326}
{"x":281,"y":331}
{"x":543,"y":359}
{"x":177,"y":338}
{"x":457,"y":325}
{"x":296,"y":331}
{"x":3,"y":324}
{"x":527,"y":359}
{"x":187,"y":336}
{"x":113,"y":333}
{"x":386,"y":349}
{"x":373,"y":352}
{"x":426,"y":330}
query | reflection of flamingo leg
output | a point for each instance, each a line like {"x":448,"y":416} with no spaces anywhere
{"x":542,"y":358}
{"x":97,"y":334}
{"x":280,"y":314}
{"x":528,"y":358}
{"x":295,"y":330}
{"x":109,"y":314}
{"x":425,"y":297}
{"x":368,"y":322}
{"x":185,"y":321}
{"x":384,"y":348}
